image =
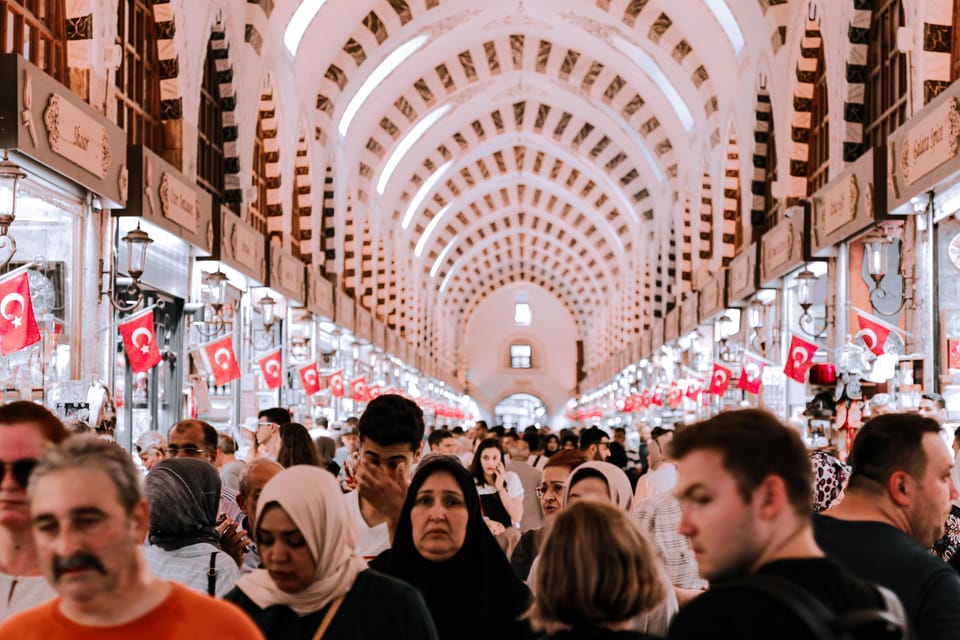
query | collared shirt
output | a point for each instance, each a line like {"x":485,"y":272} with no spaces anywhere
{"x":660,"y":517}
{"x":189,"y":566}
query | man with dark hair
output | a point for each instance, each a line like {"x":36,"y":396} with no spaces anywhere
{"x":932,"y":405}
{"x":595,"y":444}
{"x":391,"y":438}
{"x":442,"y":441}
{"x":895,"y":505}
{"x":745,"y":493}
{"x":89,"y":521}
{"x":26,"y":429}
{"x":267,"y":434}
{"x":662,"y":475}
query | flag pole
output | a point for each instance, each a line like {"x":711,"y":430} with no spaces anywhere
{"x":755,"y":356}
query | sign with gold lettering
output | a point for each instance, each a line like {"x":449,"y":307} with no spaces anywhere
{"x":711,"y":297}
{"x":76,"y":136}
{"x":242,"y":247}
{"x":743,"y":275}
{"x":286,"y":274}
{"x":847,"y":204}
{"x":345,"y":311}
{"x":930,"y":142}
{"x":179,"y":201}
{"x":839,"y":204}
{"x":689,"y":318}
{"x":671,"y":325}
{"x":320,"y":294}
{"x":781,"y":249}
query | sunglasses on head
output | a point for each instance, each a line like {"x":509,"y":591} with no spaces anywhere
{"x":19,"y":469}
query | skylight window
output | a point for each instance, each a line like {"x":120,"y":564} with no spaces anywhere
{"x":298,"y":24}
{"x":659,"y":78}
{"x":522,"y":315}
{"x":423,"y":192}
{"x":406,"y":143}
{"x":728,"y":22}
{"x":378,"y":75}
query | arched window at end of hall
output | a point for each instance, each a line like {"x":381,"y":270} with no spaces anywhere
{"x":885,"y":100}
{"x":137,"y":78}
{"x":521,"y":356}
{"x":36,"y":29}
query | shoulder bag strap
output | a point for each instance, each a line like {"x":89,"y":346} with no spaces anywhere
{"x":815,"y":615}
{"x":212,"y":575}
{"x":327,"y":619}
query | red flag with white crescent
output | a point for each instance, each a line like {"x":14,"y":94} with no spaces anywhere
{"x":271,"y":366}
{"x":657,"y":398}
{"x":719,"y":380}
{"x":335,"y":382}
{"x":751,"y":376}
{"x":373,"y":391}
{"x":359,"y":391}
{"x":310,"y":377}
{"x":799,"y":359}
{"x":674,"y":395}
{"x":223,"y":361}
{"x":140,"y":342}
{"x":873,"y":333}
{"x":18,"y":325}
{"x":694,"y":389}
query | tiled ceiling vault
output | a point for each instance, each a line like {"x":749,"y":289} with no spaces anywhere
{"x":527,"y":141}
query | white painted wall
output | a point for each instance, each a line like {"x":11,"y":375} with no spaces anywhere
{"x":552,"y":334}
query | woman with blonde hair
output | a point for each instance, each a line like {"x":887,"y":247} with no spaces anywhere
{"x":597,"y":574}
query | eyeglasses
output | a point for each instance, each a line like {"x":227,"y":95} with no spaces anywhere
{"x":265,"y":424}
{"x":544,"y":488}
{"x":19,"y":469}
{"x":190,"y":451}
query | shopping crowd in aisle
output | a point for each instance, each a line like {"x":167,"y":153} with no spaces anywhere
{"x":727,"y":528}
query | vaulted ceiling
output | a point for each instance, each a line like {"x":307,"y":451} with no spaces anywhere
{"x":546,"y":141}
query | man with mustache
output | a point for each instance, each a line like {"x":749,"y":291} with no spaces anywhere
{"x":89,"y":521}
{"x":26,"y":429}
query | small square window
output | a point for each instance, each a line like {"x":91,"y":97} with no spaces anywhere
{"x":522,"y":314}
{"x":520,"y":356}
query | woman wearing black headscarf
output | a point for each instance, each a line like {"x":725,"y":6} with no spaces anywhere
{"x":443,"y":547}
{"x":184,"y":497}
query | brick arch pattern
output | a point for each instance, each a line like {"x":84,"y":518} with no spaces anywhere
{"x":171,"y":100}
{"x":854,"y":111}
{"x":705,"y":244}
{"x":328,"y":226}
{"x":777,"y":15}
{"x":802,"y":105}
{"x":762,"y":136}
{"x":304,"y":240}
{"x":79,"y":30}
{"x":938,"y":38}
{"x":731,"y":231}
{"x":220,"y":50}
{"x":686,"y":249}
{"x":268,"y":124}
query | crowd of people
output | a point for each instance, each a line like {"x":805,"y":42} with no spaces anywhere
{"x":727,"y":528}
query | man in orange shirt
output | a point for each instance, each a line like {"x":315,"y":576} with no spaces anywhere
{"x":89,"y":520}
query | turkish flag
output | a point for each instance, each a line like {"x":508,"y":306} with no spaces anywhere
{"x":645,"y":399}
{"x":18,"y":325}
{"x":675,"y":395}
{"x":799,"y":359}
{"x":373,"y":391}
{"x":140,"y":342}
{"x":223,"y":361}
{"x":873,"y":333}
{"x":719,"y":380}
{"x":694,"y":389}
{"x":271,"y":366}
{"x":310,"y":377}
{"x":359,"y":391}
{"x":335,"y":382}
{"x":657,"y":397}
{"x":751,"y":376}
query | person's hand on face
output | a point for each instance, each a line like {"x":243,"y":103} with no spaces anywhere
{"x":233,"y":539}
{"x":383,"y":487}
{"x":499,"y":476}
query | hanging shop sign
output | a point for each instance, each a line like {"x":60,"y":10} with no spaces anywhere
{"x":847,"y":205}
{"x":391,"y":345}
{"x":161,"y":194}
{"x":744,"y":275}
{"x":286,"y":274}
{"x":712,"y":302}
{"x":379,"y":338}
{"x":320,"y":294}
{"x":689,"y":313}
{"x":240,"y":246}
{"x":364,"y":328}
{"x":922,"y":155}
{"x":646,"y":344}
{"x":671,"y":324}
{"x":781,"y":249}
{"x":46,"y":122}
{"x":344,"y":316}
{"x":657,"y":331}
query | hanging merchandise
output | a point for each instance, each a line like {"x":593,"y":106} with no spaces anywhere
{"x":359,"y":391}
{"x":751,"y":375}
{"x":799,"y":359}
{"x":719,"y":380}
{"x":222,"y":360}
{"x":271,"y":367}
{"x":140,"y":341}
{"x":335,"y":383}
{"x":18,"y":326}
{"x":310,"y":378}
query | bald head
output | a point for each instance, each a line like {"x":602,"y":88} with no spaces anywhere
{"x":255,"y":477}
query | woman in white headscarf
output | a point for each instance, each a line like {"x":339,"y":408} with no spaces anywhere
{"x":314,"y":585}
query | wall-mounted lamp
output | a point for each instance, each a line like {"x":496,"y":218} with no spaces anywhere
{"x":726,"y":329}
{"x":806,"y":286}
{"x":267,"y":307}
{"x":216,"y":293}
{"x":137,"y":242}
{"x":10,"y":176}
{"x":876,"y":247}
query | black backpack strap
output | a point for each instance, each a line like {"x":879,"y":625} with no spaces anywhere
{"x":812,"y":612}
{"x":212,"y":575}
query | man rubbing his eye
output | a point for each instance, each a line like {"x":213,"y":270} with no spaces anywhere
{"x":26,"y":429}
{"x":89,"y":521}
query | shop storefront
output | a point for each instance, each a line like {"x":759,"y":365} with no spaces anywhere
{"x":65,"y":164}
{"x":286,"y":279}
{"x":712,"y":304}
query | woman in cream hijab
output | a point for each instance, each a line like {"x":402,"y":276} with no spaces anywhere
{"x":314,"y":584}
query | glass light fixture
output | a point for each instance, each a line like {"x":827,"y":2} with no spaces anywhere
{"x":875,"y":248}
{"x":137,"y":241}
{"x":10,"y":175}
{"x":267,"y":307}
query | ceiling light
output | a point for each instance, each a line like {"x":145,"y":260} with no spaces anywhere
{"x":378,"y":75}
{"x":298,"y":24}
{"x":442,"y":257}
{"x":405,"y":144}
{"x":659,"y":78}
{"x":423,"y":192}
{"x":728,"y":22}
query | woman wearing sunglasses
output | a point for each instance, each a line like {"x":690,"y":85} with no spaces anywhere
{"x":26,"y":429}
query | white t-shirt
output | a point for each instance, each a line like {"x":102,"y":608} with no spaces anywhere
{"x":514,"y":486}
{"x":655,"y":482}
{"x":373,"y":540}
